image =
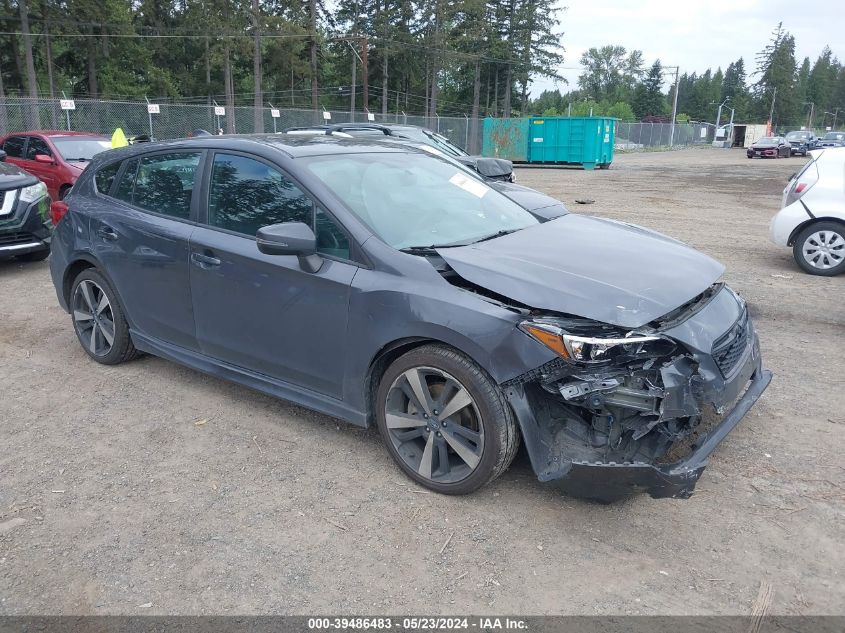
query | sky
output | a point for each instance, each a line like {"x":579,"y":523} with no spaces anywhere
{"x":695,"y":34}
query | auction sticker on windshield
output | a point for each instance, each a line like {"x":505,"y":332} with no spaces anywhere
{"x":478,"y":189}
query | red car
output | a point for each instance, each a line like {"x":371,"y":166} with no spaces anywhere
{"x":55,"y":157}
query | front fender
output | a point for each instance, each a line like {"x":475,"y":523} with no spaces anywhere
{"x":380,"y":315}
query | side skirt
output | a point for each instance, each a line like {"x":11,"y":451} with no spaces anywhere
{"x":260,"y":382}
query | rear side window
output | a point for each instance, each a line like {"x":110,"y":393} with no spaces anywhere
{"x":163,"y":183}
{"x":246,"y":194}
{"x":105,"y":177}
{"x":37,"y":146}
{"x":14,"y":146}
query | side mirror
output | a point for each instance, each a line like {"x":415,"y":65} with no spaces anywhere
{"x":43,"y":158}
{"x":2,"y":155}
{"x":291,"y":238}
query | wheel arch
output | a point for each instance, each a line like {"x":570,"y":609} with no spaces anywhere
{"x":84,"y":261}
{"x":389,"y":352}
{"x":383,"y":359}
{"x":808,"y":222}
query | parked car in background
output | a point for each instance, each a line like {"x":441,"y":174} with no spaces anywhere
{"x":489,"y":168}
{"x":832,"y":139}
{"x":812,"y":217}
{"x":55,"y":157}
{"x":25,"y":222}
{"x":770,"y":147}
{"x":801,"y":142}
{"x":384,"y":285}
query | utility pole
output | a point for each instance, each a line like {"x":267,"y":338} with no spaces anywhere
{"x":674,"y":107}
{"x":352,"y":92}
{"x":365,"y":78}
{"x":772,"y":110}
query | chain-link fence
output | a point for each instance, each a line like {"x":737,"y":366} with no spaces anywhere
{"x":176,"y":120}
{"x":639,"y":136}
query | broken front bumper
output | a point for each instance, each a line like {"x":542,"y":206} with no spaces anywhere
{"x":720,"y":385}
{"x":610,"y":482}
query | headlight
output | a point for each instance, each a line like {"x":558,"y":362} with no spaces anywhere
{"x":589,"y":349}
{"x":33,"y":192}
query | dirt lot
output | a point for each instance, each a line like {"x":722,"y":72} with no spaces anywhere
{"x":150,"y":488}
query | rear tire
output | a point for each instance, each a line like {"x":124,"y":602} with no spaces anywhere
{"x":35,"y":256}
{"x":459,"y":453}
{"x":819,"y":249}
{"x":98,"y":319}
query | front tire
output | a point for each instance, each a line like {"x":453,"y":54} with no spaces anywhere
{"x":444,"y":421}
{"x":98,"y":319}
{"x":819,"y":249}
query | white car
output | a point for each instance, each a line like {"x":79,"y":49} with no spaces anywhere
{"x":812,"y":217}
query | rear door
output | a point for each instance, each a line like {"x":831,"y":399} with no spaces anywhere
{"x":141,"y":233}
{"x":263,"y":312}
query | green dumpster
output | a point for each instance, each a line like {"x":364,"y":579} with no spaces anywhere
{"x":505,"y":138}
{"x":586,"y":141}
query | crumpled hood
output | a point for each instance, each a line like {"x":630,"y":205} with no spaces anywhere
{"x":487,"y":167}
{"x":598,"y":269}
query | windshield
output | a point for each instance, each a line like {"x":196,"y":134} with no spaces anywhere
{"x":797,"y":136}
{"x":767,"y":140}
{"x":834,"y":136}
{"x":416,"y":200}
{"x":80,"y":148}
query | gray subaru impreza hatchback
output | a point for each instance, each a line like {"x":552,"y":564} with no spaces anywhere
{"x":383,"y":285}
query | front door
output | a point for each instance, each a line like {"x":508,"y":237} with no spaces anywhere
{"x":263,"y":312}
{"x":141,"y":233}
{"x":45,"y":172}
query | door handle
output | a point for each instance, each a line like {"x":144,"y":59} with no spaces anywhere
{"x":107,"y":233}
{"x":205,"y":261}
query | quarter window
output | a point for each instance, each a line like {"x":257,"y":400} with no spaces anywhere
{"x":331,"y":240}
{"x":163,"y":183}
{"x":14,"y":146}
{"x":105,"y":177}
{"x":247,"y":194}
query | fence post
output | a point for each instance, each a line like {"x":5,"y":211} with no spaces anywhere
{"x":466,"y":134}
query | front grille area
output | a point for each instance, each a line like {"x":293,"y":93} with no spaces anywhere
{"x":10,"y":239}
{"x":728,"y":349}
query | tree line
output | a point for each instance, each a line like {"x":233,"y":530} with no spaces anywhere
{"x":418,"y":56}
{"x":617,"y":83}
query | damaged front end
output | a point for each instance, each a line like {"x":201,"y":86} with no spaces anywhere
{"x":624,"y":411}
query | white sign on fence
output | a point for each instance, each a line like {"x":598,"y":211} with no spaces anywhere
{"x":703,"y":132}
{"x":274,"y":113}
{"x":371,"y":116}
{"x":327,"y":115}
{"x":152,"y":108}
{"x":67,"y":104}
{"x":219,"y":111}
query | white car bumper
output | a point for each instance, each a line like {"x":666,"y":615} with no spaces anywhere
{"x":785,"y":222}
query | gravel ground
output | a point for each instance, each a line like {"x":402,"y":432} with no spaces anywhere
{"x":151,"y":488}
